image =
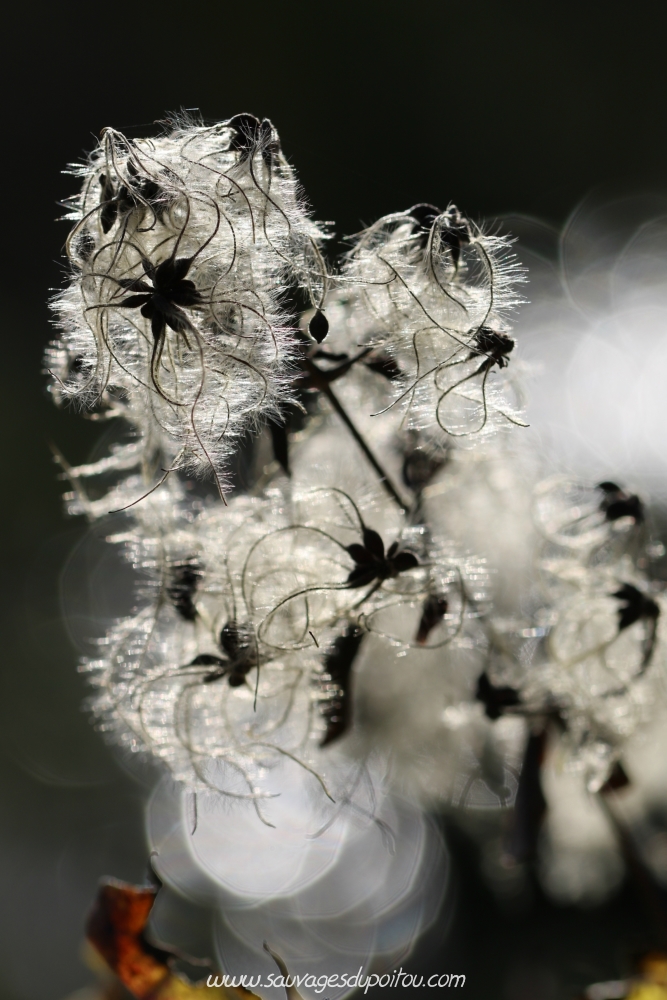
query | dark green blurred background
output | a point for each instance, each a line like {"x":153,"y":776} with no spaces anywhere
{"x":502,"y":107}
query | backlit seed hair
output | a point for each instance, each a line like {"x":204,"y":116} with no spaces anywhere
{"x":182,"y":250}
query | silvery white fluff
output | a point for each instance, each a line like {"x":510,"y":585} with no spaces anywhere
{"x":588,"y":676}
{"x":580,"y":661}
{"x":594,"y":335}
{"x":183,"y":249}
{"x":602,"y":664}
{"x":218,"y":672}
{"x":436,"y":292}
{"x":565,"y":568}
{"x":566,"y":560}
{"x":395,"y":601}
{"x":245,"y":732}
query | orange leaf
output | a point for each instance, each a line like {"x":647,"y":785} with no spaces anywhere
{"x":116,"y":928}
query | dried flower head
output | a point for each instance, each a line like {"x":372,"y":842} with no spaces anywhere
{"x":183,"y":251}
{"x":434,"y":291}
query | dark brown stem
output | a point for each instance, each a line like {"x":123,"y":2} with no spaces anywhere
{"x":314,"y":378}
{"x":384,"y":478}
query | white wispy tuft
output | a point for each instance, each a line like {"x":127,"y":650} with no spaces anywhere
{"x":436,"y":292}
{"x":184,"y":251}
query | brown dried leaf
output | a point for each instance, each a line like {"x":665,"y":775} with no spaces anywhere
{"x":116,"y":928}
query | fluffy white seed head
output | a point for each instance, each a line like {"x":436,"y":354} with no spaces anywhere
{"x":183,"y":252}
{"x":435,"y":292}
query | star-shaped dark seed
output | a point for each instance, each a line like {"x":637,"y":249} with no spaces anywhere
{"x":495,"y":345}
{"x":636,"y":606}
{"x":163,"y":300}
{"x":495,"y":699}
{"x":616,"y":503}
{"x":372,"y":563}
{"x":237,"y":643}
